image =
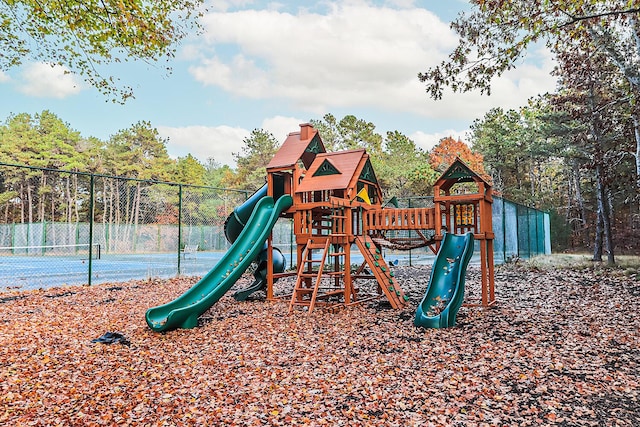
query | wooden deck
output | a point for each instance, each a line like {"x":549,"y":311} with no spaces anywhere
{"x":399,"y":219}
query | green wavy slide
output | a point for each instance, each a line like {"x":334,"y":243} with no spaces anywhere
{"x":445,"y":291}
{"x":184,"y":311}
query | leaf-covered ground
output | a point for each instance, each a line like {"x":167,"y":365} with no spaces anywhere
{"x":560,"y":348}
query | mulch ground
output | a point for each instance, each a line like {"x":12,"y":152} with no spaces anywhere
{"x":560,"y":348}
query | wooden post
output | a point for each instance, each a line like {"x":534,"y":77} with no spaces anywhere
{"x":270,"y":267}
{"x":492,"y":294}
{"x":482,"y":226}
{"x":483,"y":271}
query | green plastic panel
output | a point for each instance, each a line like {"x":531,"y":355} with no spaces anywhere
{"x":184,"y":311}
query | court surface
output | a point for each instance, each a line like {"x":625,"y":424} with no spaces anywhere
{"x":36,"y":272}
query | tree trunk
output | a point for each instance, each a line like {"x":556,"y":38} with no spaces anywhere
{"x":76,"y":212}
{"x":636,"y":132}
{"x":29,"y":202}
{"x":138,"y":197}
{"x":578,"y":189}
{"x":52,"y":206}
{"x":52,"y":210}
{"x":41,"y":199}
{"x":532,"y":178}
{"x":67,"y":191}
{"x":136,"y":213}
{"x":628,"y":67}
{"x":597,"y":241}
{"x":604,"y":214}
{"x":22,"y":201}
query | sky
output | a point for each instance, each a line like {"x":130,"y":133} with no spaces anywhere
{"x":273,"y":65}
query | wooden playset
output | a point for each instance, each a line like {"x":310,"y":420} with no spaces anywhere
{"x":337,"y":204}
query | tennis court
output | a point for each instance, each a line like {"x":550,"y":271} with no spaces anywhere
{"x":42,"y":272}
{"x":34,"y":272}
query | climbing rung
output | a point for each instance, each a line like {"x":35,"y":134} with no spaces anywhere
{"x":316,"y":246}
{"x":331,"y":293}
{"x":381,"y":272}
{"x":306,"y":303}
{"x":314,"y":274}
{"x":320,"y":284}
{"x":334,"y":273}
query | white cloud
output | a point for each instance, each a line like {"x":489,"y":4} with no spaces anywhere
{"x":204,"y":142}
{"x":427,"y":141}
{"x":355,"y":55}
{"x":280,"y":126}
{"x":347,"y":57}
{"x":42,"y":80}
{"x":219,"y":142}
{"x":4,"y":77}
{"x":241,"y":76}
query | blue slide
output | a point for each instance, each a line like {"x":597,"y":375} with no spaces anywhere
{"x":445,"y":291}
{"x":184,"y":311}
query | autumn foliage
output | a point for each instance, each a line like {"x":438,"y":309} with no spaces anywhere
{"x":445,"y":153}
{"x":563,"y":351}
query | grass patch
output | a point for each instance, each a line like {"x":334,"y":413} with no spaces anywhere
{"x":583,"y":261}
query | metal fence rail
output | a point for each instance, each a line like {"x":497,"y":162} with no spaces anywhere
{"x":520,"y":231}
{"x":140,"y":228}
{"x":135,"y":223}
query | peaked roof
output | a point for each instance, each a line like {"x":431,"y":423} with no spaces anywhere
{"x":459,"y":172}
{"x":332,"y":171}
{"x":303,"y":145}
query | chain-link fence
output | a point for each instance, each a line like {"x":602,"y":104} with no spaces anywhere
{"x":520,"y":231}
{"x":76,"y":228}
{"x":60,"y":228}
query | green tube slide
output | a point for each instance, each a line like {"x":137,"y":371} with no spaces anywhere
{"x":184,"y":311}
{"x":233,"y":227}
{"x":236,"y":222}
{"x":260,"y":273}
{"x":445,"y":291}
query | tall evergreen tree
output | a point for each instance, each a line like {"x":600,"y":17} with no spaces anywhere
{"x":404,"y":169}
{"x":256,"y":153}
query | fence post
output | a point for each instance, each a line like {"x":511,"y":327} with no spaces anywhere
{"x":44,"y":235}
{"x":179,"y":224}
{"x":504,"y":232}
{"x":528,"y":231}
{"x":91,"y":192}
{"x":537,"y":214}
{"x":517,"y":231}
{"x":410,"y":235}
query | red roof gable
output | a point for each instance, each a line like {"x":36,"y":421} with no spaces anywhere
{"x":345,"y":162}
{"x":295,"y":147}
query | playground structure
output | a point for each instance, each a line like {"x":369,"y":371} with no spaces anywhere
{"x":335,"y":202}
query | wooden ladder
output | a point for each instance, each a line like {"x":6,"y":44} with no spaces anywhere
{"x":305,"y":295}
{"x":384,"y":276}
